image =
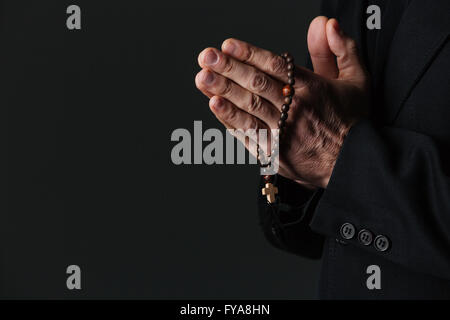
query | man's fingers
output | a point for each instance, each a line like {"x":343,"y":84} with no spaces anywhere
{"x":323,"y":60}
{"x":346,"y":52}
{"x":239,"y":121}
{"x":262,"y":59}
{"x":244,"y":75}
{"x":215,"y":84}
{"x":232,"y":116}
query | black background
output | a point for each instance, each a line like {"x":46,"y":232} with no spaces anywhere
{"x":86,"y":119}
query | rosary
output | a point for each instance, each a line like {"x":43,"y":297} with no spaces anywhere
{"x":270,"y":190}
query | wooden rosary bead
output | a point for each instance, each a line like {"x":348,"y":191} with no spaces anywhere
{"x":288,"y":90}
{"x":287,"y":100}
{"x":270,"y":190}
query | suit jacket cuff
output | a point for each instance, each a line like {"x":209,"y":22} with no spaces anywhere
{"x":338,"y":205}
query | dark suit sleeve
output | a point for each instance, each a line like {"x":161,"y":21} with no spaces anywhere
{"x":393,"y":183}
{"x":286,"y":225}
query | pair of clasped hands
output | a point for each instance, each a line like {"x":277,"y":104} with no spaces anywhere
{"x":244,"y":84}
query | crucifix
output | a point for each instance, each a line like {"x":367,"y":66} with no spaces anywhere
{"x":270,"y":191}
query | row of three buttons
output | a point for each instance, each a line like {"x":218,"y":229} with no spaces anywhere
{"x":365,"y":237}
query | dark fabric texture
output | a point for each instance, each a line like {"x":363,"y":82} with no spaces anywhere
{"x":392,"y":176}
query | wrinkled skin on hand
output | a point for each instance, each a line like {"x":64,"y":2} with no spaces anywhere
{"x":244,"y":83}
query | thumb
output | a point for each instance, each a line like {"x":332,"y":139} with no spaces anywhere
{"x":323,"y":60}
{"x":346,"y":52}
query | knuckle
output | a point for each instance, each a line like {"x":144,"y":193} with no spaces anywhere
{"x":255,"y":104}
{"x":228,"y":66}
{"x":251,"y":124}
{"x":277,"y":65}
{"x":260,"y":82}
{"x":226,"y":88}
{"x":231,"y":116}
{"x":248,"y":55}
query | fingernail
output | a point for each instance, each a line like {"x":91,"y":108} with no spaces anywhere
{"x":232,"y":48}
{"x":211,"y":58}
{"x":218,"y":103}
{"x":208,"y":77}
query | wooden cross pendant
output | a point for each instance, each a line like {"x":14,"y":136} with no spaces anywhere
{"x":270,"y":191}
